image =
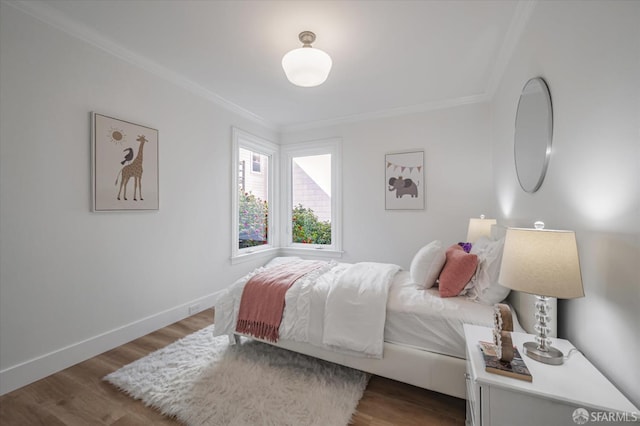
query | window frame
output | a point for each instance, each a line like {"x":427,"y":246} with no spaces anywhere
{"x":253,"y":143}
{"x":331,"y":146}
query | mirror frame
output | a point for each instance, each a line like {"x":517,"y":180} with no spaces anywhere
{"x":548,"y":138}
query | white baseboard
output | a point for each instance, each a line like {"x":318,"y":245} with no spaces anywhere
{"x":38,"y":368}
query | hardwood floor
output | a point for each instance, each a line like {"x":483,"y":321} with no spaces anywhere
{"x":78,"y":396}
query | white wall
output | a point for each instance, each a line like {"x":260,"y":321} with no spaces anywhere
{"x":589,"y":53}
{"x":75,"y":283}
{"x":457,"y":147}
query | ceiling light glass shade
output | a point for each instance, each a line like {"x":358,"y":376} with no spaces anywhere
{"x":307,"y":66}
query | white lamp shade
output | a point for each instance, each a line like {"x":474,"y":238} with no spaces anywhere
{"x":479,"y":227}
{"x":307,"y":66}
{"x":543,"y":262}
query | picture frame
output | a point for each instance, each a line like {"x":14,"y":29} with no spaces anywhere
{"x":404,"y":181}
{"x":126,"y":153}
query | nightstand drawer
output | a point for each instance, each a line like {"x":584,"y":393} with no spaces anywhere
{"x":473,"y":400}
{"x":508,"y":407}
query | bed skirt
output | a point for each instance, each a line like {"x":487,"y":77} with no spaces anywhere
{"x":440,"y":373}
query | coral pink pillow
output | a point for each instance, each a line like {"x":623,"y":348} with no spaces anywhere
{"x":457,"y":272}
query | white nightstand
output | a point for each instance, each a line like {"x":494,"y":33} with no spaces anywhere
{"x":553,"y":396}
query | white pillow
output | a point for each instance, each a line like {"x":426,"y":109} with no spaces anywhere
{"x":485,"y":282}
{"x":427,"y":264}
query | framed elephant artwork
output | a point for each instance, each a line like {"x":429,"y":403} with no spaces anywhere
{"x":124,"y":165}
{"x":404,"y":181}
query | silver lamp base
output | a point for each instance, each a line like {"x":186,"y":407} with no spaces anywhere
{"x":551,"y":356}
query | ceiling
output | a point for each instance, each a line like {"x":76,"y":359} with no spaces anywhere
{"x":389,"y":57}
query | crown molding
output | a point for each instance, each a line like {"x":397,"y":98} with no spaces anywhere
{"x":49,"y":15}
{"x":524,"y":10}
{"x":387,"y":113}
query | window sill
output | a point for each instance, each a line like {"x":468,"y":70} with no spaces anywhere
{"x":311,"y":252}
{"x":287,"y":251}
{"x":258,"y":254}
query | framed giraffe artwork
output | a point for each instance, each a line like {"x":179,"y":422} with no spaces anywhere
{"x":124,"y":165}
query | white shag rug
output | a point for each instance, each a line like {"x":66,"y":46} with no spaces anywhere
{"x":202,"y":380}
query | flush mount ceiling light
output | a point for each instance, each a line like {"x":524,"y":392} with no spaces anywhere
{"x":306,"y":66}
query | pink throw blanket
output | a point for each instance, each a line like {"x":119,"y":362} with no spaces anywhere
{"x":262,"y":303}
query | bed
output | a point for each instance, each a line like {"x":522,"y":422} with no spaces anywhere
{"x":415,"y":337}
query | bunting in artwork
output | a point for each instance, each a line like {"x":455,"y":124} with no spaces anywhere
{"x":402,"y":168}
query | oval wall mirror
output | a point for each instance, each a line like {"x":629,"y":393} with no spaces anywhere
{"x":533,"y":134}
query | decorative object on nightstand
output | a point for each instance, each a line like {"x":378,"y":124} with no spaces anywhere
{"x":544,"y":263}
{"x":500,"y":356}
{"x":502,"y":328}
{"x":479,"y":227}
{"x":515,"y":367}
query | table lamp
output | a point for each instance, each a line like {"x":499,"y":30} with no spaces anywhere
{"x":545,"y":263}
{"x":479,"y":227}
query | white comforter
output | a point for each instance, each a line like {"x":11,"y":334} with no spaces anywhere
{"x":356,"y":307}
{"x":339,"y":306}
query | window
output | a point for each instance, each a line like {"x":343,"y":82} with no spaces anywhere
{"x":256,"y":162}
{"x":254,"y":197}
{"x":301,"y":211}
{"x":311,"y":199}
{"x":312,"y":187}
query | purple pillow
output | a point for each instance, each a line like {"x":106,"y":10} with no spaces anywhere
{"x":466,"y":246}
